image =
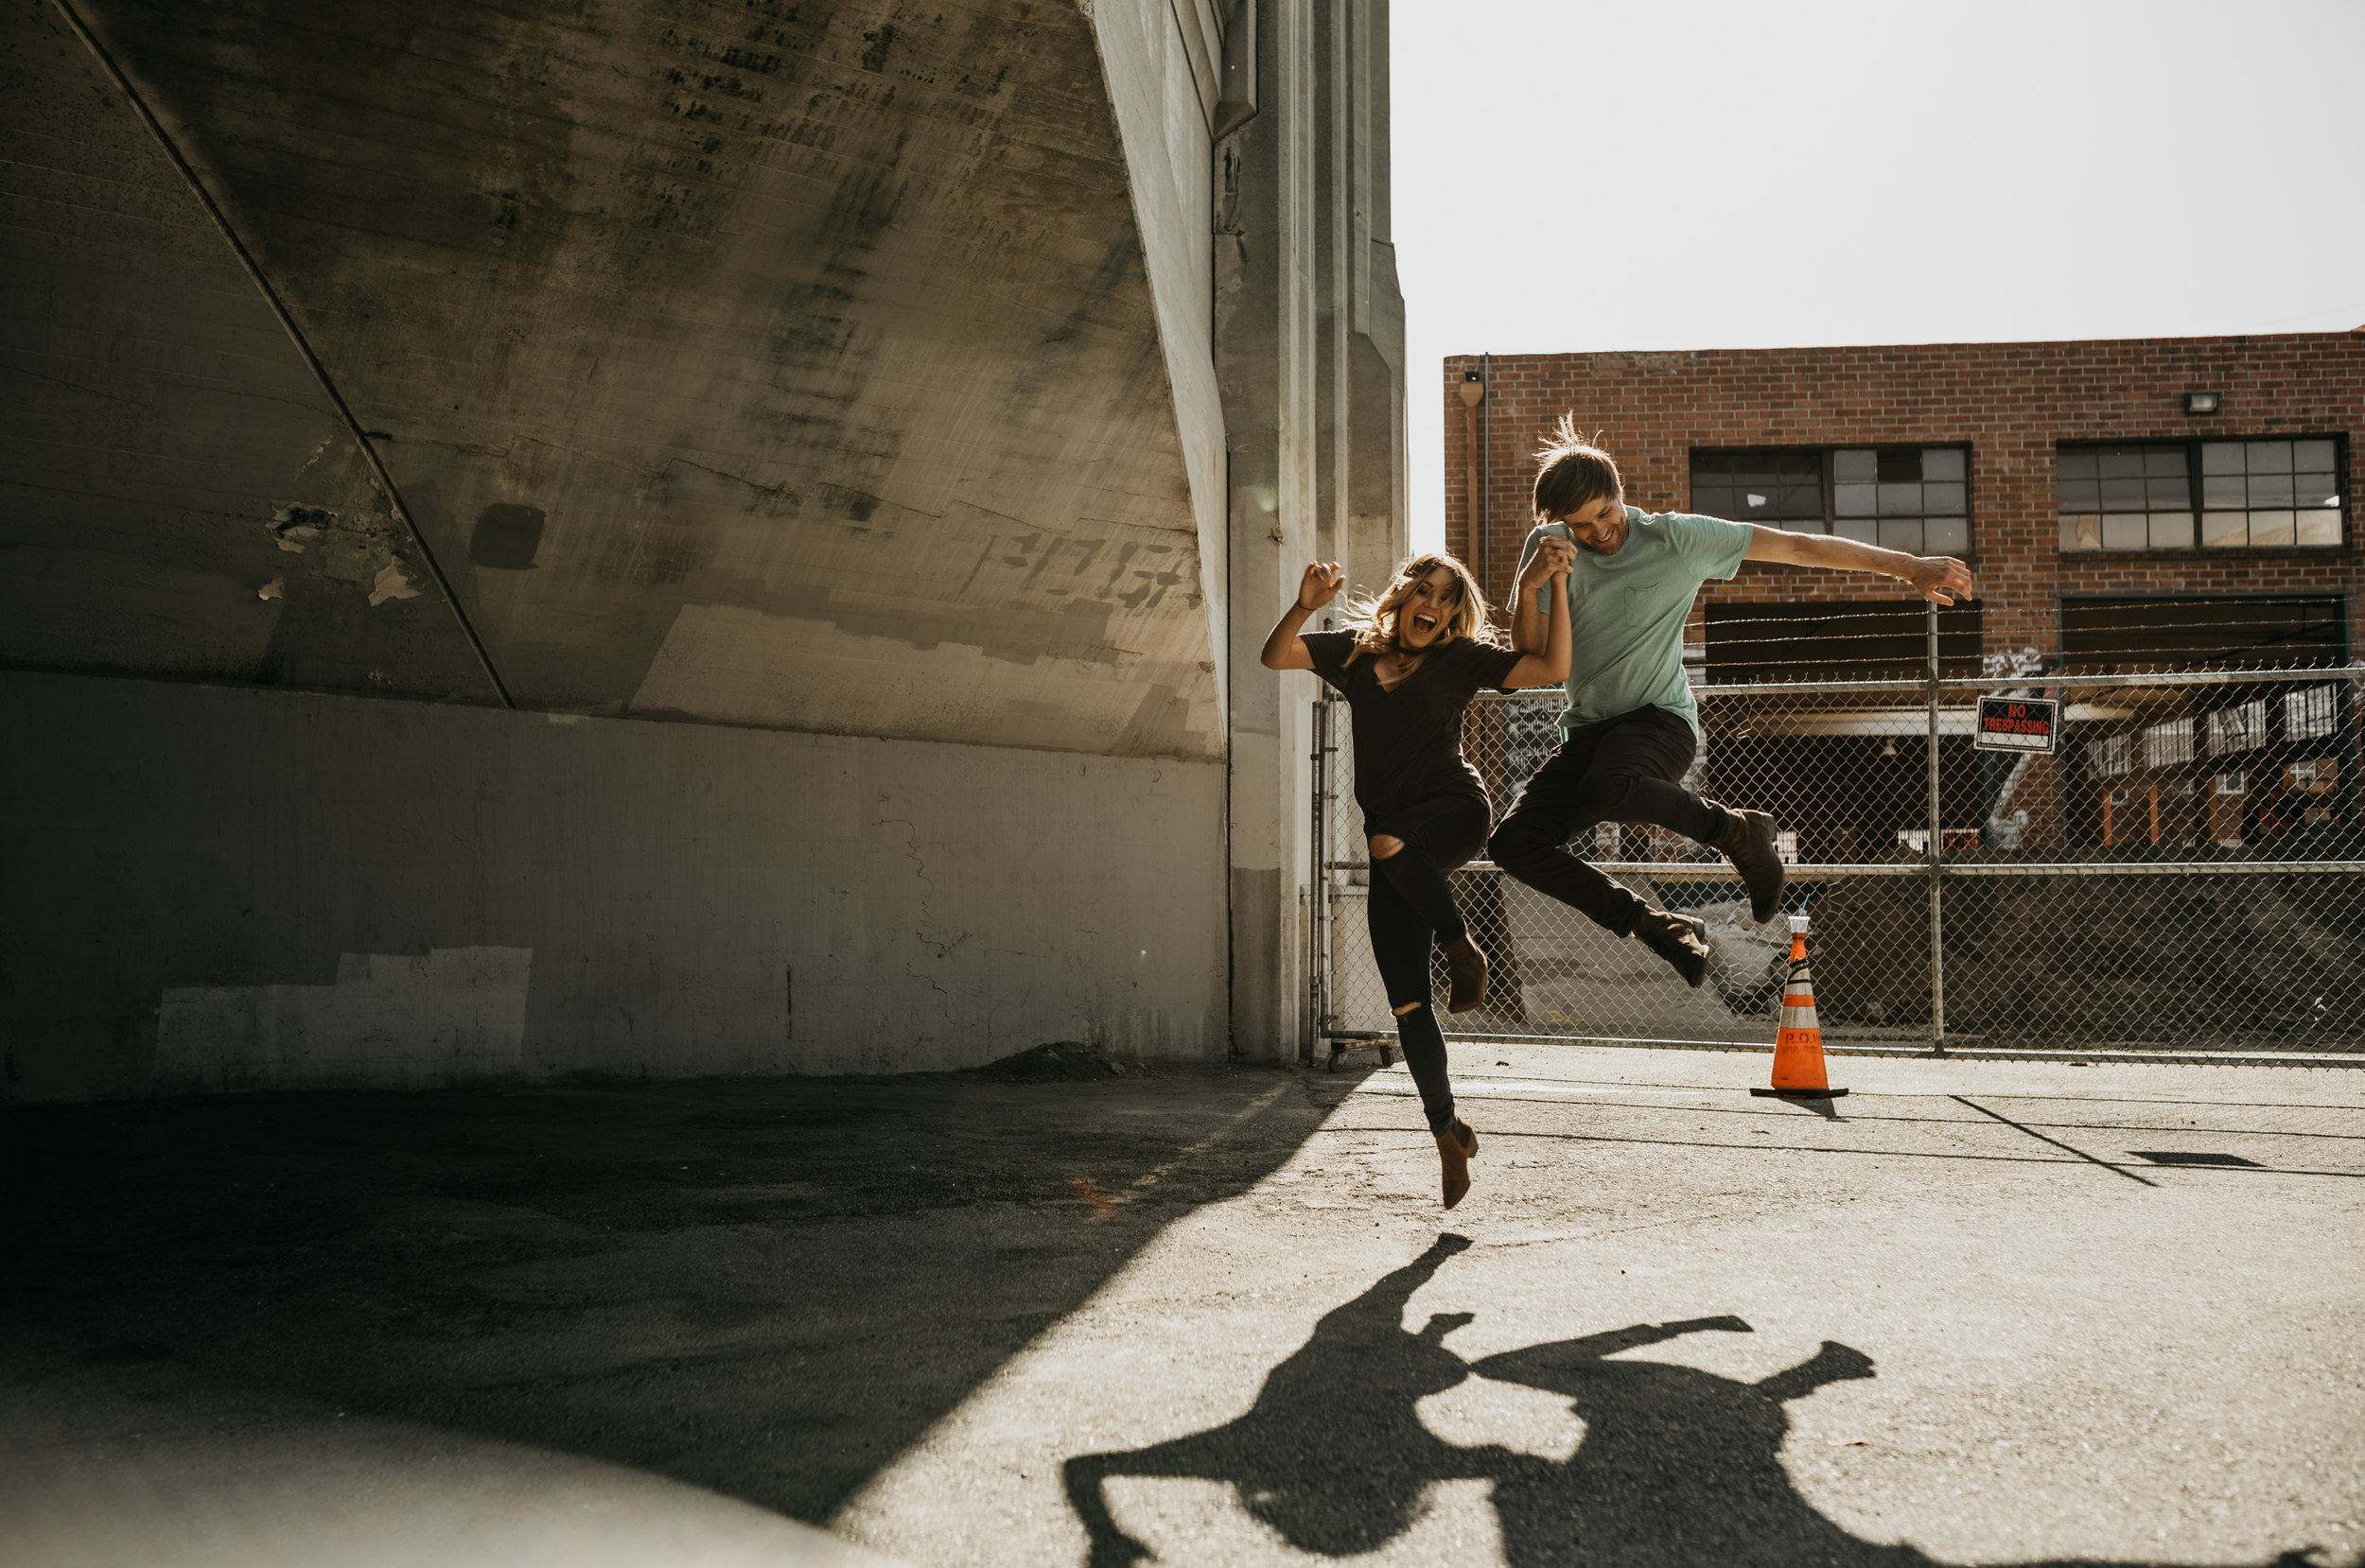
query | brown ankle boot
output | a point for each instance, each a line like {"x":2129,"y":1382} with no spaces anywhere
{"x":1749,"y":845}
{"x":1466,"y":967}
{"x":1455,"y":1146}
{"x":1680,"y":940}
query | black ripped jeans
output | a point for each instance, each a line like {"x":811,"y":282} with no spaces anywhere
{"x":1623,"y":769}
{"x":1411,"y":906}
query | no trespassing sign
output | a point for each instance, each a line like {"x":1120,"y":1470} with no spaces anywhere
{"x":2016,"y":723}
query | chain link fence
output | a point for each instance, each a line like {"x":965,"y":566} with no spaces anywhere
{"x":2183,"y":872}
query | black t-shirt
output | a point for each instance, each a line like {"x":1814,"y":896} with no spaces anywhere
{"x":1408,"y":742}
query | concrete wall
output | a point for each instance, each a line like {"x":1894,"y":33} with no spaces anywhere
{"x":1309,"y":351}
{"x":222,"y":888}
{"x":823,"y":368}
{"x":1162,"y":60}
{"x":696,"y":345}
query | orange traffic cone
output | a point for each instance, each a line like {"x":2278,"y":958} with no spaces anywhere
{"x":1799,"y":1049}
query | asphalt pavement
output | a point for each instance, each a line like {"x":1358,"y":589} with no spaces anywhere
{"x":1973,"y":1313}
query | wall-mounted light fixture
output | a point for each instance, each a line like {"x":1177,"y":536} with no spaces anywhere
{"x":2200,"y":403}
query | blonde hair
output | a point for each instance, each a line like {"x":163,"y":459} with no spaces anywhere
{"x":1372,"y":619}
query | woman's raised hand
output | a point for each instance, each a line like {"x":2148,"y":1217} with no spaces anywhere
{"x":1553,"y":557}
{"x":1321,"y":584}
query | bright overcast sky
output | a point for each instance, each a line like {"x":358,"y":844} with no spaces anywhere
{"x":1655,"y":175}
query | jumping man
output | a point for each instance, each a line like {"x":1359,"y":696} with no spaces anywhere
{"x":1631,"y":730}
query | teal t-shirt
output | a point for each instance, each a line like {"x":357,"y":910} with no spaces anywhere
{"x":1626,"y":612}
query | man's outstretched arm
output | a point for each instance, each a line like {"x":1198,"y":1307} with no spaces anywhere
{"x":1940,"y":579}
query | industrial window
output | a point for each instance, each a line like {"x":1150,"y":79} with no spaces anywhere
{"x":1913,"y":498}
{"x":1758,"y":487}
{"x":2231,"y":782}
{"x":2253,"y":494}
{"x":2307,"y":713}
{"x":2167,"y":743}
{"x":2239,"y":728}
{"x":1885,"y":639}
{"x":2125,"y":497}
{"x":2204,"y":631}
{"x":2110,"y":754}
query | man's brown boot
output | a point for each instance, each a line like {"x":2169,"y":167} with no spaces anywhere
{"x":1680,"y":940}
{"x":1466,"y":967}
{"x":1455,"y":1146}
{"x":1749,"y":845}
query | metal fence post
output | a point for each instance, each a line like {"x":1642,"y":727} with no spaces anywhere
{"x":1317,"y":954}
{"x":1938,"y":836}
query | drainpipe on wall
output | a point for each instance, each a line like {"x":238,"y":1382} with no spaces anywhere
{"x":1473,"y":393}
{"x":1486,"y":440}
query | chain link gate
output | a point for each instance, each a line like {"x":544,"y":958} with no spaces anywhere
{"x":2184,"y":873}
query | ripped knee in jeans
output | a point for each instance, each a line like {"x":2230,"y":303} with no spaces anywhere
{"x":1410,"y":1008}
{"x":1385,"y":845}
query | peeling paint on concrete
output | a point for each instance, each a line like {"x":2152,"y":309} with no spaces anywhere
{"x":390,"y":582}
{"x":294,"y":526}
{"x":387,"y":1021}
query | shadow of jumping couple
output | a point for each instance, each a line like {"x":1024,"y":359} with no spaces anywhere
{"x":1678,"y":1466}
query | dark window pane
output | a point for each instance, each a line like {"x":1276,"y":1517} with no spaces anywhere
{"x":2163,"y":459}
{"x":2120,"y":462}
{"x":1900,"y":465}
{"x":1858,"y":465}
{"x":2078,"y":463}
{"x":2169,"y":493}
{"x":2081,"y":496}
{"x":2123,"y":494}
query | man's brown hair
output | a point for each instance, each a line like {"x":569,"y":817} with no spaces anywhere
{"x":1571,"y":472}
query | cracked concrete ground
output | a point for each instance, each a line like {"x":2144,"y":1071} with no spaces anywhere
{"x":1982,"y":1313}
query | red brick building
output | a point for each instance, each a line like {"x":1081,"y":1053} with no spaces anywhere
{"x":2113,"y":519}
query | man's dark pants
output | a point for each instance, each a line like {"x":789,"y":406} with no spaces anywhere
{"x":1624,"y":768}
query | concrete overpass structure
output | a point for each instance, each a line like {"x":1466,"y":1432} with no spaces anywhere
{"x":660,"y":538}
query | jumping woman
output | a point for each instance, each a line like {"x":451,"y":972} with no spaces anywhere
{"x":1407,"y":667}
